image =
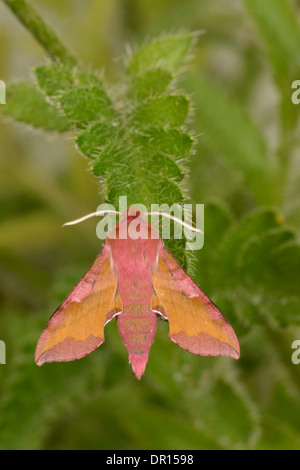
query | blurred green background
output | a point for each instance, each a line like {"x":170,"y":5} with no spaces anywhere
{"x":240,"y":81}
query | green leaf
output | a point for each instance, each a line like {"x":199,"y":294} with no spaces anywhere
{"x":253,"y":270}
{"x":214,"y":401}
{"x":169,"y":141}
{"x":27,"y":104}
{"x":229,"y":127}
{"x":54,"y":78}
{"x":163,"y":166}
{"x":280,"y":30}
{"x":53,"y":389}
{"x":217,"y":222}
{"x":142,"y":189}
{"x":151,"y":83}
{"x":169,"y":110}
{"x":92,"y":140}
{"x":231,"y":132}
{"x":251,"y":227}
{"x":84,"y":105}
{"x":81,"y":96}
{"x":269,"y":270}
{"x":138,"y":146}
{"x":112,"y":157}
{"x":167,"y":52}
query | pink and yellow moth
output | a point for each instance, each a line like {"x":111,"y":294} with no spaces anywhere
{"x":136,"y":281}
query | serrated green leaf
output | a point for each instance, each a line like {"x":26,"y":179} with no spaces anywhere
{"x":54,"y":78}
{"x":111,"y":158}
{"x":164,"y":167}
{"x":255,"y":269}
{"x":167,"y":53}
{"x":249,"y":228}
{"x":48,"y":387}
{"x":137,"y":189}
{"x":81,"y":96}
{"x":258,"y":256}
{"x":169,"y":111}
{"x":92,"y":140}
{"x":84,"y":105}
{"x":151,"y":83}
{"x":173,"y":142}
{"x":139,"y":148}
{"x":27,"y":104}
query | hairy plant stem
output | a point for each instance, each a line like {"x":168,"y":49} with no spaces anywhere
{"x":40,"y":30}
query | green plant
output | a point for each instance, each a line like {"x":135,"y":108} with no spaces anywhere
{"x":131,"y":132}
{"x":135,"y":136}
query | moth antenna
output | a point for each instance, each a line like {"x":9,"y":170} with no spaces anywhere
{"x":89,"y":216}
{"x":168,"y":216}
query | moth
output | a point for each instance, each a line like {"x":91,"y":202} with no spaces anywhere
{"x":135,"y":280}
